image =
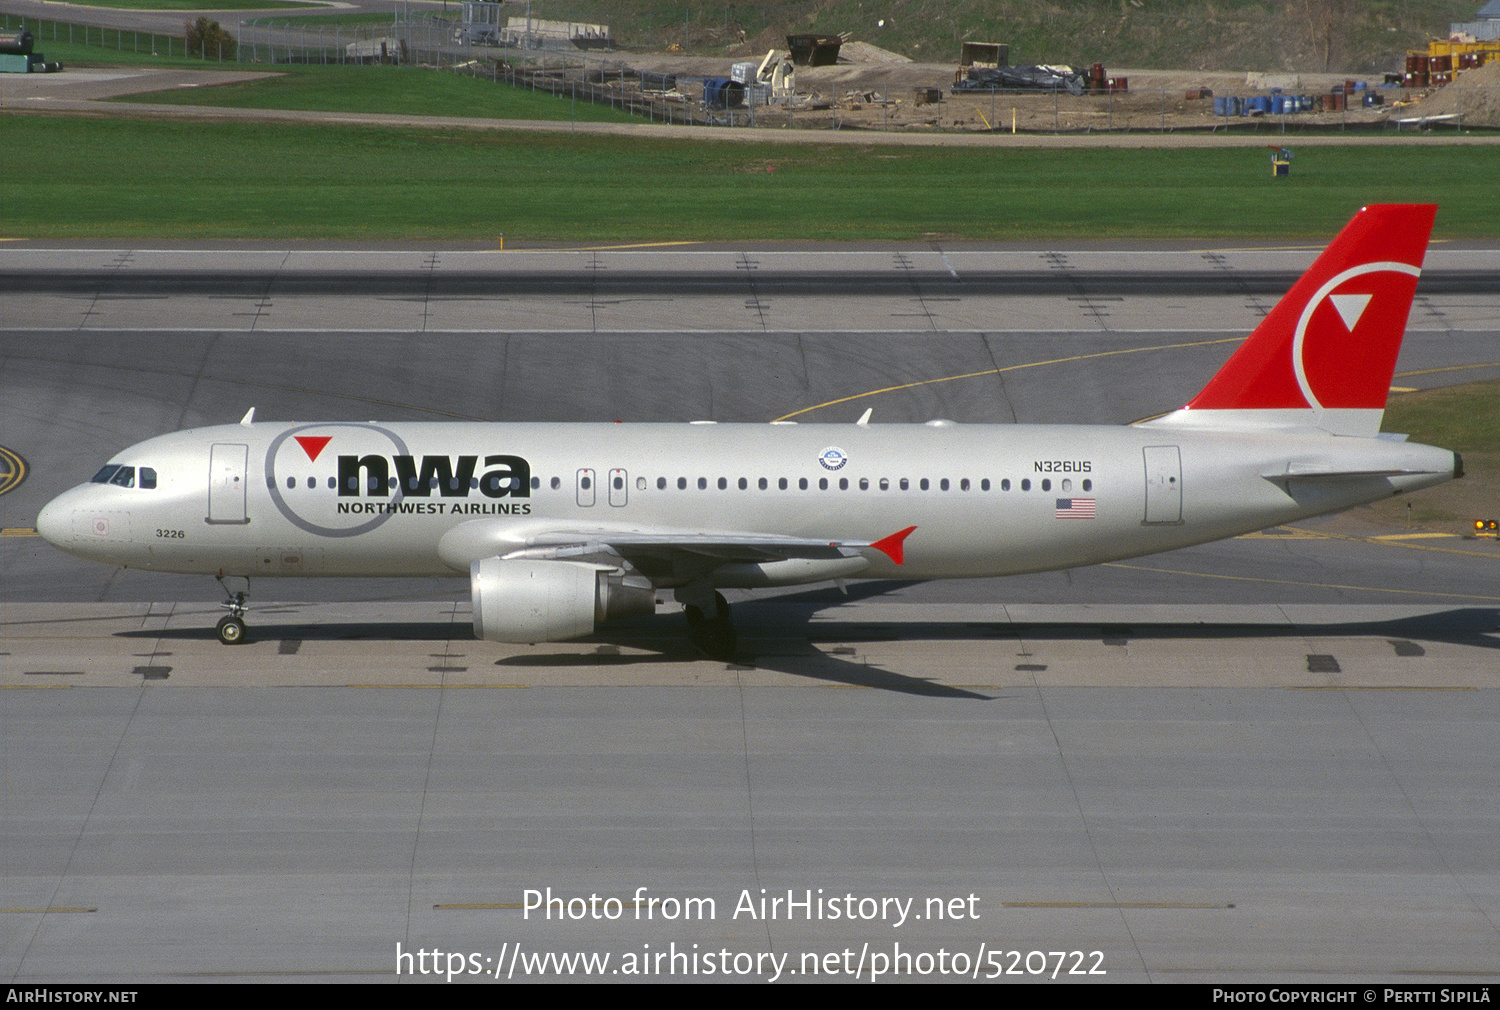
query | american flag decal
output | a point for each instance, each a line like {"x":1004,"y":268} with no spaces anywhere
{"x":1074,"y":508}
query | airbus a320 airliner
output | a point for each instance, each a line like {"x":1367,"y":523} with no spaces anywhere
{"x":562,"y":526}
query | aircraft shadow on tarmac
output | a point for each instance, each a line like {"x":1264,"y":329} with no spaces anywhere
{"x":778,"y":634}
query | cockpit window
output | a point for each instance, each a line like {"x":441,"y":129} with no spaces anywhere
{"x":122,"y":476}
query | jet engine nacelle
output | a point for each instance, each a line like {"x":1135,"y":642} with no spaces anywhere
{"x":547,"y":601}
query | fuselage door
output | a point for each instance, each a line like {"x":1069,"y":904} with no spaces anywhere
{"x":586,"y":490}
{"x":618,"y":487}
{"x":226,"y":483}
{"x":1163,"y":484}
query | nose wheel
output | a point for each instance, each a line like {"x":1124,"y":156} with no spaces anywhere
{"x":231,"y":628}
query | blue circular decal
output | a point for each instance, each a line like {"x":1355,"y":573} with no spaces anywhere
{"x":832,"y":458}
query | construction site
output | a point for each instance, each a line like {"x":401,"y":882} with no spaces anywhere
{"x":823,"y":81}
{"x":840,"y":82}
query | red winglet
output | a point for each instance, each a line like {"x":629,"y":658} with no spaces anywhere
{"x":313,"y":444}
{"x":891,"y":546}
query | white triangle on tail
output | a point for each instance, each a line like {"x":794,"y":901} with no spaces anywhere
{"x":1350,"y":308}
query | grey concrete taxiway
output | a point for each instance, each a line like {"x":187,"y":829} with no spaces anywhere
{"x":1269,"y":759}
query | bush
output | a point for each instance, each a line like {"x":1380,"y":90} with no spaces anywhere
{"x":206,"y":39}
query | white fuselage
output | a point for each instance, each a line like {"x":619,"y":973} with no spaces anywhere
{"x":297,"y":499}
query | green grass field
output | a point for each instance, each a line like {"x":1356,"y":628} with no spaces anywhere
{"x":190,"y":179}
{"x":1463,"y":418}
{"x":399,"y":90}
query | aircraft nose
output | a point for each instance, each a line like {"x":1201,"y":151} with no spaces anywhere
{"x":53,"y":522}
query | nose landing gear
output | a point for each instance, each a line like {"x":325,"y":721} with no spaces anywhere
{"x":231,"y":628}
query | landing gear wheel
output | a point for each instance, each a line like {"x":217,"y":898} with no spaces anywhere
{"x":231,"y":631}
{"x":714,"y":635}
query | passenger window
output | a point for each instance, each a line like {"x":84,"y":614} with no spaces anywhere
{"x":1067,"y":485}
{"x":1047,"y":484}
{"x":984,"y":485}
{"x":661,"y":483}
{"x":963,"y":485}
{"x":1026,"y":484}
{"x":843,"y":483}
{"x":744,"y":484}
{"x":864,"y":483}
{"x":822,"y":483}
{"x":1088,"y":485}
{"x":1005,"y":484}
{"x":333,"y":482}
{"x":702,"y":483}
{"x":781,"y":483}
{"x":763,"y":484}
{"x":923,"y":484}
{"x":943,"y":484}
{"x":291,"y":482}
{"x":682,"y":483}
{"x":802,"y":484}
{"x":905,"y":484}
{"x":885,"y":484}
{"x":723,"y":483}
{"x":556,"y":483}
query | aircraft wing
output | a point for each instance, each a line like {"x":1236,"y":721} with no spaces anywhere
{"x":713,"y":546}
{"x":655,"y":552}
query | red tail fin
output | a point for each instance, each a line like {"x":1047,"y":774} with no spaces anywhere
{"x":1330,"y":345}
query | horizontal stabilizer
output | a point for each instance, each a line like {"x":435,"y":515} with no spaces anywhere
{"x":1294,"y":474}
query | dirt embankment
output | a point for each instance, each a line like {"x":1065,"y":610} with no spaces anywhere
{"x":1474,"y":96}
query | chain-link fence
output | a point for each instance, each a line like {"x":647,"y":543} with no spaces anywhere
{"x":442,"y":43}
{"x":121,"y":40}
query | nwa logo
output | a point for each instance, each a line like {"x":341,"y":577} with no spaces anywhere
{"x":343,"y":479}
{"x":448,"y":476}
{"x":1358,"y":309}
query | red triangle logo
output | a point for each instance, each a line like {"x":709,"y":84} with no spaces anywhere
{"x":313,"y":444}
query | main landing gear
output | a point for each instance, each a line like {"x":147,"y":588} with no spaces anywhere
{"x":710,"y":625}
{"x":231,"y":628}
